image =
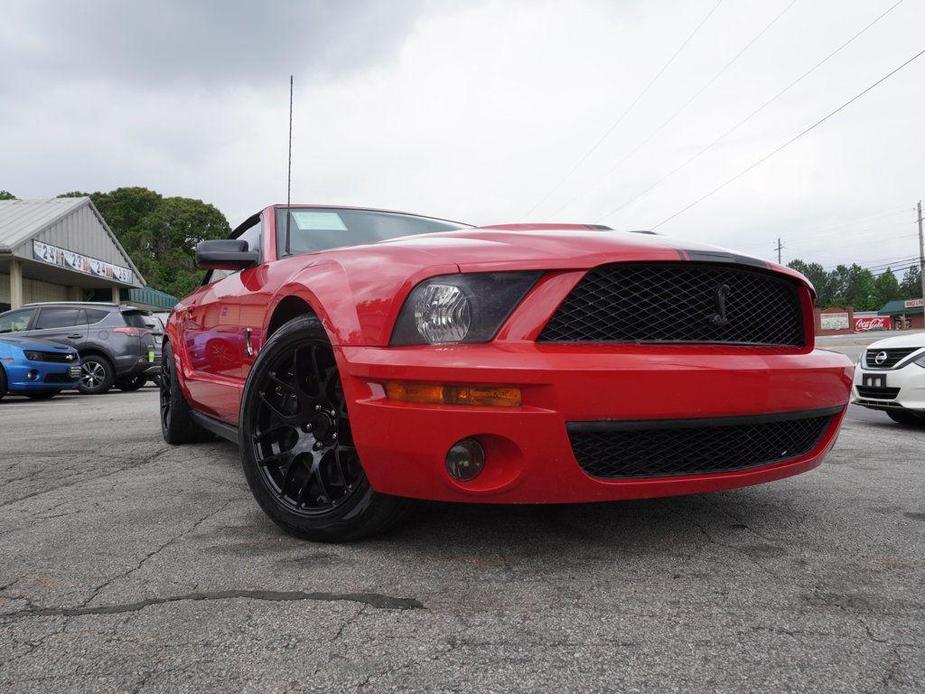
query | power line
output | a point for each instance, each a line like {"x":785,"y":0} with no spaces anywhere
{"x":674,"y":115}
{"x":892,"y":264}
{"x":832,"y":228}
{"x":753,"y":113}
{"x":790,"y":141}
{"x":822,"y":231}
{"x":625,"y":113}
{"x":898,"y":271}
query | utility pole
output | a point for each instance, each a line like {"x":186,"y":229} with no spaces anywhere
{"x":780,"y":246}
{"x":921,"y":258}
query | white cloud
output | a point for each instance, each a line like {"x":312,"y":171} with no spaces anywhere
{"x":476,"y":110}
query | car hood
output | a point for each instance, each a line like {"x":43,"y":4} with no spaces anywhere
{"x":37,"y":345}
{"x":912,"y":339}
{"x":563,"y":247}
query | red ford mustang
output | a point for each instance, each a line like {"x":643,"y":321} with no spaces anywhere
{"x":362,"y":358}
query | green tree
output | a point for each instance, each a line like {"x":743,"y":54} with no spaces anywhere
{"x":839,"y":279}
{"x":160,"y":234}
{"x":886,"y":288}
{"x":7,"y":195}
{"x":816,"y":274}
{"x":911,"y":286}
{"x":860,"y":291}
{"x":167,"y":237}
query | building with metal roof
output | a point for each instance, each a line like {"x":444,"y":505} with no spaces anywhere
{"x":905,"y":313}
{"x":61,"y":249}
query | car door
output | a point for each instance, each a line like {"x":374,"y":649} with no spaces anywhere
{"x":250,"y":296}
{"x":65,"y":325}
{"x":217,"y":342}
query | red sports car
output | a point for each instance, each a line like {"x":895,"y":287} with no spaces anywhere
{"x":362,"y":358}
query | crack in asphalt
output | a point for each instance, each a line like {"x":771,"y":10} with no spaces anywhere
{"x":125,"y":574}
{"x":144,"y":461}
{"x":375,"y":600}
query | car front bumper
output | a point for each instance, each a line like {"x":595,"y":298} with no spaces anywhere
{"x":529,"y":455}
{"x":46,"y":376}
{"x":910,"y":380}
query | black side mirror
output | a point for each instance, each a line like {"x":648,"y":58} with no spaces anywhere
{"x":225,"y":254}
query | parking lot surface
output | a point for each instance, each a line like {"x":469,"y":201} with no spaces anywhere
{"x":131,"y":565}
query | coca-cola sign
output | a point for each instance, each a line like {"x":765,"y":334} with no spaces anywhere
{"x":871,"y":323}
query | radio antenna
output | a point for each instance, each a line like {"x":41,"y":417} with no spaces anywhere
{"x":289,"y":172}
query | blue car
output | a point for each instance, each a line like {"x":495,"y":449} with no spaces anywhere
{"x":39,"y":370}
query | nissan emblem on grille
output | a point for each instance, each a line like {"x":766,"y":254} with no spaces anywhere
{"x":880,"y":358}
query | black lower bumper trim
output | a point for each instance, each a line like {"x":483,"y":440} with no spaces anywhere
{"x":671,"y":447}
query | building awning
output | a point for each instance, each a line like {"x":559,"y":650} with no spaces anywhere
{"x":897,"y":307}
{"x":148,"y":298}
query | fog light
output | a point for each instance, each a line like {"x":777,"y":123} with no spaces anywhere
{"x":465,"y":460}
{"x":32,"y":375}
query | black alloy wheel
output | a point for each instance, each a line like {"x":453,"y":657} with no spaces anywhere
{"x":164,"y":394}
{"x":301,"y":439}
{"x":297,"y":446}
{"x":96,"y":375}
{"x":177,"y":425}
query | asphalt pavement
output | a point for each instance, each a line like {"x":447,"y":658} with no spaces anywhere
{"x":130,"y":565}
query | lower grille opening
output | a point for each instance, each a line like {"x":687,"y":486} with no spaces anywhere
{"x":665,"y":448}
{"x":875,"y":393}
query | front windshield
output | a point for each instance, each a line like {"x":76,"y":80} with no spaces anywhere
{"x":318,"y":229}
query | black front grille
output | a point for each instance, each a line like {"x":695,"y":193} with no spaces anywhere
{"x":679,"y":302}
{"x":58,"y":378}
{"x":665,"y":448}
{"x":888,"y":357}
{"x":878,"y":393}
{"x":57,"y":357}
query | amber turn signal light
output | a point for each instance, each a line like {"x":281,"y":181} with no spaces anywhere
{"x":434,"y":393}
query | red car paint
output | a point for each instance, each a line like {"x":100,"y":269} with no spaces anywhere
{"x":357,"y":292}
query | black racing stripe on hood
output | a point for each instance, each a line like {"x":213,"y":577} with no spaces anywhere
{"x":723,"y":257}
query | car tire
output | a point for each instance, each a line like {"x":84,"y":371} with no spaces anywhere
{"x":177,"y":425}
{"x":908,"y":418}
{"x":131,"y":384}
{"x":42,"y":395}
{"x":96,"y":375}
{"x":293,"y":402}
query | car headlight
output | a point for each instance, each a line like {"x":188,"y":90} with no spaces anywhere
{"x":460,"y":308}
{"x":32,"y":356}
{"x":920,"y":361}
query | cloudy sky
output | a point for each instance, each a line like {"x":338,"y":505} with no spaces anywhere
{"x":488,"y":111}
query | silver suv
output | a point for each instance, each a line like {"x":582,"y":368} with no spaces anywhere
{"x":117,"y":344}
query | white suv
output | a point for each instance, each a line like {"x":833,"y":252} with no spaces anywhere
{"x":890,"y":376}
